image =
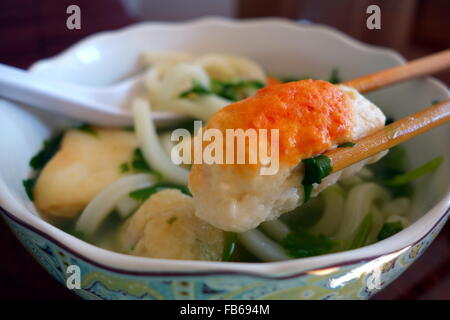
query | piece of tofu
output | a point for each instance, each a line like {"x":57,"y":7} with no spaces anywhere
{"x":238,"y":199}
{"x":165,"y":226}
{"x":85,"y":164}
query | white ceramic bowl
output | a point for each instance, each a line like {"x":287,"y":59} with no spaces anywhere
{"x":283,"y":48}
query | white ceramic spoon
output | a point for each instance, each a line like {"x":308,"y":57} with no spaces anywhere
{"x":107,"y":106}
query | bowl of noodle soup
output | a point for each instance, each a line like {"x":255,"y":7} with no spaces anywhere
{"x":217,"y":48}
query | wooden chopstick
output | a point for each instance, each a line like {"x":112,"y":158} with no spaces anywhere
{"x":390,"y":135}
{"x":413,"y":69}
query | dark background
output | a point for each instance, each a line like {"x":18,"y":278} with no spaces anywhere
{"x":34,"y":29}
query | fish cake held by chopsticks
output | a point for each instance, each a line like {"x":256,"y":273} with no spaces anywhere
{"x":311,"y":116}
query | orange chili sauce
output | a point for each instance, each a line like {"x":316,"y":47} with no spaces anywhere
{"x":311,"y":115}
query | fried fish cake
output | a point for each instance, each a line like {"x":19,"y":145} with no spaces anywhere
{"x":312,"y":116}
{"x":85,"y":164}
{"x":165,"y":226}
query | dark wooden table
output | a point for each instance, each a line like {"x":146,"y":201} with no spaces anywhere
{"x":35,"y":29}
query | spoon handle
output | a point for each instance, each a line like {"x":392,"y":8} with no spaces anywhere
{"x":27,"y":88}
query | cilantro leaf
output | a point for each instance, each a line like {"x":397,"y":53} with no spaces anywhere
{"x":172,"y":219}
{"x":316,"y":169}
{"x":347,"y":145}
{"x":391,"y":172}
{"x":231,"y":90}
{"x":142,"y":194}
{"x":389,"y":120}
{"x":49,"y":148}
{"x":87,"y":128}
{"x":234,"y":91}
{"x":303,"y":244}
{"x":334,"y":76}
{"x":292,"y":79}
{"x":145,"y":193}
{"x":138,"y":162}
{"x":29,"y":184}
{"x":435,"y":102}
{"x":124,"y":167}
{"x":393,"y":164}
{"x":308,"y":188}
{"x":362,"y":233}
{"x":230,"y":246}
{"x":197,"y":89}
{"x":407,"y":177}
{"x":389,"y":229}
{"x":39,"y":160}
{"x":78,"y":234}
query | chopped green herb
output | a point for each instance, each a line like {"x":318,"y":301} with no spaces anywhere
{"x":78,"y":234}
{"x":405,"y":190}
{"x":28,"y":184}
{"x":230,"y":246}
{"x":316,"y":169}
{"x":306,"y":215}
{"x":292,"y":79}
{"x":87,"y":128}
{"x":393,"y":164}
{"x":363,"y":232}
{"x":124,"y":167}
{"x":303,"y":244}
{"x":389,"y":120}
{"x":335,"y":77}
{"x":138,"y":162}
{"x":197,"y":89}
{"x":308,"y":188}
{"x":185,"y":124}
{"x":142,"y":194}
{"x":405,"y":178}
{"x":347,"y":145}
{"x":435,"y":102}
{"x":233,"y":91}
{"x":172,"y":219}
{"x":145,"y":193}
{"x":50,"y":147}
{"x":389,"y":229}
{"x":38,"y":161}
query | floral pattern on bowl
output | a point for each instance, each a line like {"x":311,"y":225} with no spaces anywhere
{"x":357,"y":280}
